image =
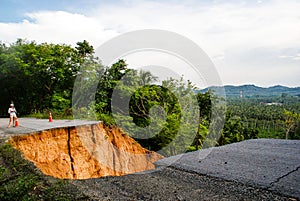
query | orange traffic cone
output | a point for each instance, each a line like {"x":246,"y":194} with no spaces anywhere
{"x":50,"y":117}
{"x":17,"y":122}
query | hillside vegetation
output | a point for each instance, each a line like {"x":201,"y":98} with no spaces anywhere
{"x":58,"y":78}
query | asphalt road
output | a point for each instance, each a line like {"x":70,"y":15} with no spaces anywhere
{"x":266,"y":163}
{"x":27,"y":125}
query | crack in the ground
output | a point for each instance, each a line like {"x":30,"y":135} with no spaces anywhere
{"x":283,"y":176}
{"x":93,"y":134}
{"x":70,"y":155}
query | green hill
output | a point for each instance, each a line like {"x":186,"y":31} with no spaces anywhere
{"x":255,"y":91}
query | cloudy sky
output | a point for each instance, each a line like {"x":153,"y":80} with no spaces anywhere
{"x":250,"y":42}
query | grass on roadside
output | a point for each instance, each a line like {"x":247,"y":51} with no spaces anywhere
{"x":21,"y":180}
{"x":55,"y":115}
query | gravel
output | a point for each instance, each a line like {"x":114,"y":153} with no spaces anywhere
{"x":167,"y":183}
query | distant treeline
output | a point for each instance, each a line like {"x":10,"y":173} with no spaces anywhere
{"x":268,"y":120}
{"x":254,"y":92}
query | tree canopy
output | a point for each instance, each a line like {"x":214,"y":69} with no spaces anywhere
{"x":39,"y":77}
{"x":172,"y":117}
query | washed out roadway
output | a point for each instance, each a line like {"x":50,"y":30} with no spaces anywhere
{"x":261,"y":169}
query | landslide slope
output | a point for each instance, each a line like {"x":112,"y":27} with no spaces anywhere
{"x":85,"y":151}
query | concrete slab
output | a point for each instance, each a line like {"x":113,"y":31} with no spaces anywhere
{"x":266,"y":163}
{"x":28,"y":125}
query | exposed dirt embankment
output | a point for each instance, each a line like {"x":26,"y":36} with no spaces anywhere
{"x":88,"y":151}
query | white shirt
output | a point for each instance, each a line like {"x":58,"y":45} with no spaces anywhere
{"x":12,"y":111}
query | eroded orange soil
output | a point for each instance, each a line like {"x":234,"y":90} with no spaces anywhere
{"x":81,"y":152}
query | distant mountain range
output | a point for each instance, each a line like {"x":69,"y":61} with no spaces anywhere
{"x":255,"y":91}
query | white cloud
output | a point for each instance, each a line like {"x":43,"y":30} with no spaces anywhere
{"x":220,"y":29}
{"x":227,"y":24}
{"x":295,"y":57}
{"x":56,"y":27}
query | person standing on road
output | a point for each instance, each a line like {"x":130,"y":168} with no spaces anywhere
{"x":12,"y":115}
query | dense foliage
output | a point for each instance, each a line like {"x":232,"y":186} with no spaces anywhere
{"x":267,"y":120}
{"x":39,"y":77}
{"x":173,"y":117}
{"x":152,"y":114}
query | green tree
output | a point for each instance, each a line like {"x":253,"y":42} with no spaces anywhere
{"x":107,"y":83}
{"x":204,"y":102}
{"x":39,"y":77}
{"x":84,"y":49}
{"x":235,"y":130}
{"x":291,"y":121}
{"x":142,"y":101}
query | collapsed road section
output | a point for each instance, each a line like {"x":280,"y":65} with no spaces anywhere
{"x":85,"y":151}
